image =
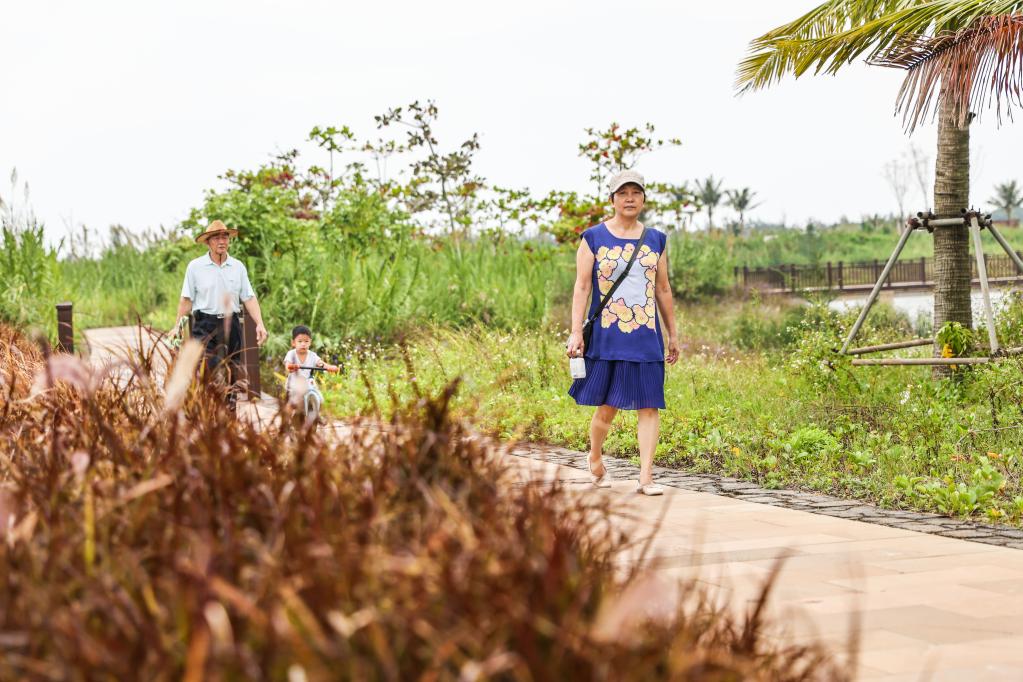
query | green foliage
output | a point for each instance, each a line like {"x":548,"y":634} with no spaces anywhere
{"x":28,"y":270}
{"x":1008,"y":197}
{"x":709,"y":194}
{"x":616,"y":149}
{"x":956,"y":339}
{"x":793,"y":414}
{"x":697,"y":265}
{"x":441,"y":181}
{"x":1009,"y":321}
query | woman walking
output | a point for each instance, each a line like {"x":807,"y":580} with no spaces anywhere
{"x":624,"y":264}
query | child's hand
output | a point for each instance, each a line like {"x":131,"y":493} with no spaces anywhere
{"x":333,"y":369}
{"x":291,"y":366}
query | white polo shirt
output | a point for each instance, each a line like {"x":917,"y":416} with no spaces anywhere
{"x":212,"y":288}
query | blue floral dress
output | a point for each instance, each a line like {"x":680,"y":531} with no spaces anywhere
{"x":625,"y":359}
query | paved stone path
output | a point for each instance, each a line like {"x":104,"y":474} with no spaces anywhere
{"x":804,"y":501}
{"x":117,"y":345}
{"x":932,"y":598}
{"x":928,"y":607}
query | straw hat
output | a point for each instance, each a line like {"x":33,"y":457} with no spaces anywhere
{"x":216,"y":227}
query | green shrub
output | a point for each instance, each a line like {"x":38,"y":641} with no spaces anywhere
{"x":699,"y":266}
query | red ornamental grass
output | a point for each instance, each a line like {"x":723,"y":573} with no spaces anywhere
{"x":143,"y":541}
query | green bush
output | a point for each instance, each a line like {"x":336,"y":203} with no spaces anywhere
{"x":699,"y":266}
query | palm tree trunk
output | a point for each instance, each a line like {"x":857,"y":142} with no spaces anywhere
{"x":952,"y":269}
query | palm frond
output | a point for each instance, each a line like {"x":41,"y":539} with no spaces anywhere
{"x":838,"y":32}
{"x":979,"y":65}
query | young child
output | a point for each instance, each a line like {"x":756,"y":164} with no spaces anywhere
{"x":298,"y":362}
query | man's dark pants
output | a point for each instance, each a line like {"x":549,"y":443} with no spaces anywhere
{"x":222,"y":337}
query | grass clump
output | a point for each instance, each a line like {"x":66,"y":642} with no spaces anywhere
{"x":143,"y":540}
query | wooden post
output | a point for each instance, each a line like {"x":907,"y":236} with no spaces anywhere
{"x":989,"y":316}
{"x":830,"y":282}
{"x":841,"y":283}
{"x":250,"y":356}
{"x":792,"y":275}
{"x":745,"y":276}
{"x":735,"y":273}
{"x":877,"y":289}
{"x":923,"y":270}
{"x":65,"y":328}
{"x":889,"y":346}
{"x":921,"y":361}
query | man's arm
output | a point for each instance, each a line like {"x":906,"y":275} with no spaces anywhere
{"x":252,"y":308}
{"x":185,"y":304}
{"x":184,"y":307}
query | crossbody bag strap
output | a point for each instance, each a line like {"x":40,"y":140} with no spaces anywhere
{"x":610,"y":292}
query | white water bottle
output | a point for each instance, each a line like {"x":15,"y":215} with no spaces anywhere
{"x":577,"y":367}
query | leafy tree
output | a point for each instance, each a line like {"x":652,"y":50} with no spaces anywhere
{"x":709,"y":193}
{"x":440,"y":181}
{"x":741,"y":201}
{"x":616,"y":149}
{"x":666,"y":202}
{"x":1008,"y":197}
{"x":958,"y":54}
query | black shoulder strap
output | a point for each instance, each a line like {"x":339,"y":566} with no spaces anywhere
{"x":610,"y":292}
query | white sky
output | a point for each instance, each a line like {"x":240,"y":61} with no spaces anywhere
{"x":124,"y":112}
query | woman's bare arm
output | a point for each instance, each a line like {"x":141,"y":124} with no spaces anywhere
{"x":666,"y":306}
{"x":580,"y":297}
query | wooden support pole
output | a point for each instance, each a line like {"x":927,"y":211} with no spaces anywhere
{"x":877,"y":289}
{"x":841,"y":281}
{"x":250,"y":355}
{"x":989,"y":315}
{"x":923,"y":270}
{"x":889,"y":346}
{"x":65,"y":328}
{"x":921,"y":361}
{"x":1005,"y":245}
{"x":830,"y":282}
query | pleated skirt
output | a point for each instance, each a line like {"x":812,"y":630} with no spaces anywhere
{"x":621,"y":383}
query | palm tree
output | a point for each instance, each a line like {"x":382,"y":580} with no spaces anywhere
{"x":741,"y":201}
{"x":959,"y":55}
{"x":708,"y":191}
{"x":1008,"y":197}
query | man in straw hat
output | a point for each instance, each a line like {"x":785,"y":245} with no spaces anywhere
{"x":216,"y":286}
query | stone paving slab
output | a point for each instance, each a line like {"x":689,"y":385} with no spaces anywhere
{"x":818,"y":503}
{"x":927,"y":607}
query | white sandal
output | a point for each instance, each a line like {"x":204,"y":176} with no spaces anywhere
{"x":651,"y":489}
{"x":602,"y":481}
